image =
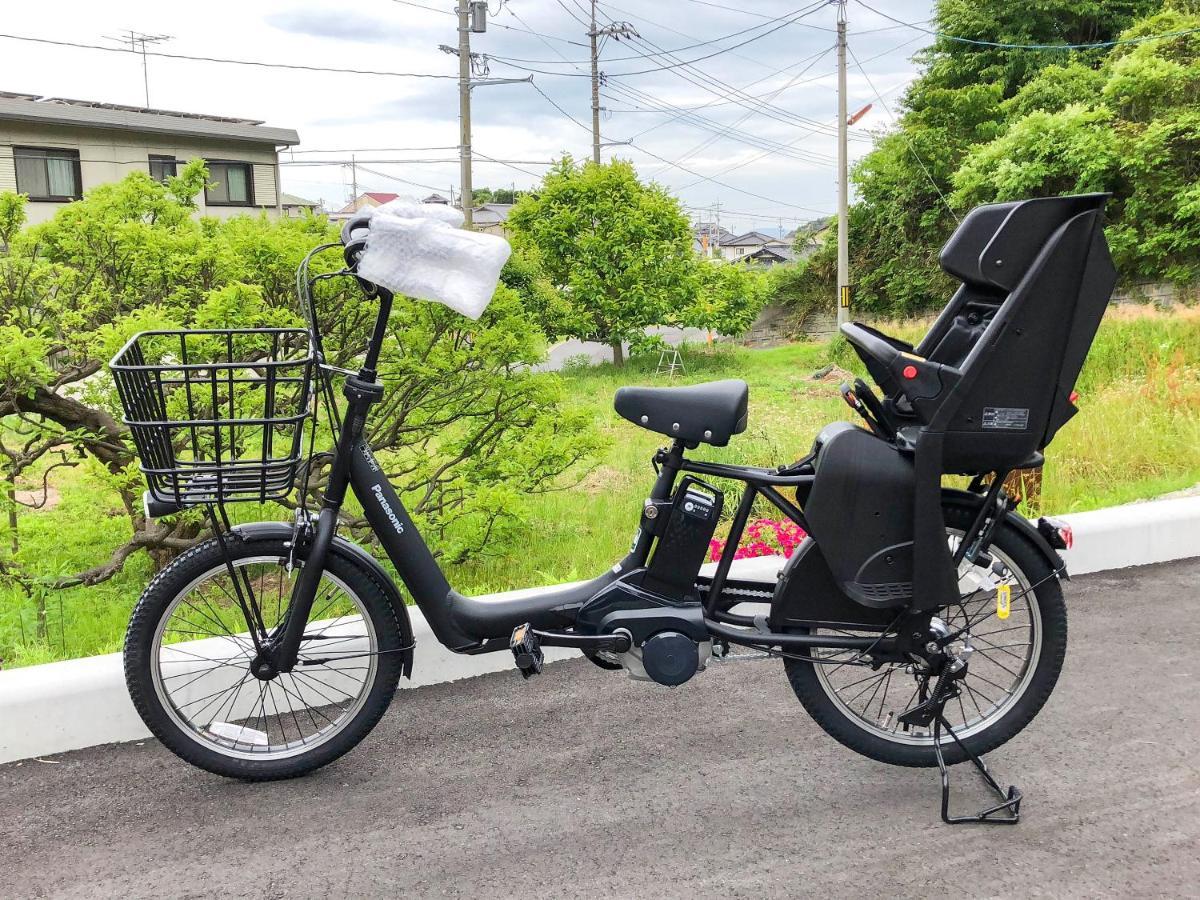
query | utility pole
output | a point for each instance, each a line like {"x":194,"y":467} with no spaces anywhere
{"x":616,"y":31}
{"x":595,"y":89}
{"x":353,"y":181}
{"x":843,"y":248}
{"x":472,"y":17}
{"x":717,"y":207}
{"x":466,"y":193}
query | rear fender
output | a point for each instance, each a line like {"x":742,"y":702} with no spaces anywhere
{"x":967,"y":500}
{"x":272,"y":531}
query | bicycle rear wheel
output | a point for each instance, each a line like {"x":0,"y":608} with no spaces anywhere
{"x":1013,"y":669}
{"x":188,"y":655}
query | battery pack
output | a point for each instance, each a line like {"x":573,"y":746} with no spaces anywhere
{"x":683,"y":541}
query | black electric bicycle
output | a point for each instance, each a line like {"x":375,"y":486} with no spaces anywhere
{"x":917,"y":624}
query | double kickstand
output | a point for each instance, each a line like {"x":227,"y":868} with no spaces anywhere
{"x":1006,"y":812}
{"x":932,"y":711}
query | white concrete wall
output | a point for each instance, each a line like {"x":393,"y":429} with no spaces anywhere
{"x":83,"y":702}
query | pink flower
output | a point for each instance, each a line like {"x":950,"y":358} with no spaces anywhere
{"x":762,"y":537}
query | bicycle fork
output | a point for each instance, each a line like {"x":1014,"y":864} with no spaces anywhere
{"x":361,"y":391}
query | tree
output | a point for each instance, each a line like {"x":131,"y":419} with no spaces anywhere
{"x":618,"y":250}
{"x":465,"y":427}
{"x":1131,"y":128}
{"x":965,"y":98}
{"x":729,"y":296}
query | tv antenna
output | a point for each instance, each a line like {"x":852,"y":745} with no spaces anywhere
{"x":137,"y":41}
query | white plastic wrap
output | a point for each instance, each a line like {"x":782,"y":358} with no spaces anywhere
{"x":418,"y":249}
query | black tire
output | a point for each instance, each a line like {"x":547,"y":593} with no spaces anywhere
{"x":202,"y":561}
{"x":1051,"y":617}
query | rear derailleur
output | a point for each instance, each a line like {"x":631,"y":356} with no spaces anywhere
{"x":931,"y":711}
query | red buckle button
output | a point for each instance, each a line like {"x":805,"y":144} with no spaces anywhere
{"x":909,"y":372}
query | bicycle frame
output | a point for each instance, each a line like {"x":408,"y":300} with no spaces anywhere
{"x":467,"y":625}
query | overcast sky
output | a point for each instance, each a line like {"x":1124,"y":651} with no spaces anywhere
{"x":381,"y":118}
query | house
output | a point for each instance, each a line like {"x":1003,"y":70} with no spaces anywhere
{"x":297,"y":207}
{"x":490,"y":217}
{"x":53,"y":149}
{"x":707,"y":238}
{"x":436,"y":198}
{"x":809,"y":236}
{"x":769,"y":255}
{"x":369,"y":200}
{"x":750,"y":242}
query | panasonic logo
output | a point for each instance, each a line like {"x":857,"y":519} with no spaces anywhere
{"x":387,"y":509}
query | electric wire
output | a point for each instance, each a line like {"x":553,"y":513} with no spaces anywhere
{"x":224,"y":60}
{"x":911,"y":148}
{"x":808,"y":11}
{"x":1006,"y":46}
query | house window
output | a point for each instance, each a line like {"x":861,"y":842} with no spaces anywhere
{"x":163,"y":167}
{"x":229,"y":184}
{"x":48,"y":173}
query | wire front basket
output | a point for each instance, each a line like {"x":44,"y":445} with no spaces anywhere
{"x":217,"y":415}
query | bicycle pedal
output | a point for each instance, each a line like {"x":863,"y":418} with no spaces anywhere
{"x":526,"y":650}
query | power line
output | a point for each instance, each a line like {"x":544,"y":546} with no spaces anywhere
{"x":739,"y":97}
{"x":1003,"y":46}
{"x":374,"y":149}
{"x":746,"y":12}
{"x":416,"y":162}
{"x":525,"y":30}
{"x":625,"y":92}
{"x":728,"y":186}
{"x":222,"y":60}
{"x":807,"y":11}
{"x":708,"y":142}
{"x":912,"y":149}
{"x":610,"y":59}
{"x":427,"y":187}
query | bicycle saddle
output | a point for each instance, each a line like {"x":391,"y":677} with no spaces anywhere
{"x":711,"y":412}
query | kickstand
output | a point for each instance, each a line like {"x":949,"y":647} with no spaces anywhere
{"x":1006,"y":812}
{"x":931,"y":711}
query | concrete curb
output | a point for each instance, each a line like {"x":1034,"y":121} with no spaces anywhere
{"x":83,"y":702}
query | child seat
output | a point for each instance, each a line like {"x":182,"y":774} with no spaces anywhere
{"x":985,"y":391}
{"x":995,"y":373}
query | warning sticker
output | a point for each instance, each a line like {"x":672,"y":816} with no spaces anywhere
{"x":1006,"y":417}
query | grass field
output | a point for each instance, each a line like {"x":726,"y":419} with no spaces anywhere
{"x":1137,"y":436}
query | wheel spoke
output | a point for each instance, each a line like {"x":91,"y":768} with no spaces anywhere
{"x":316,"y":705}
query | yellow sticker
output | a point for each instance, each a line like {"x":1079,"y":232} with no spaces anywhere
{"x":1003,"y":601}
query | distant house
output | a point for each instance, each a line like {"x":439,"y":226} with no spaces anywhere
{"x":54,"y":149}
{"x":749,"y":243}
{"x":297,"y":207}
{"x":708,"y":237}
{"x":491,"y":217}
{"x":436,"y":198}
{"x":770,"y":255}
{"x":808,"y":237}
{"x":369,"y":200}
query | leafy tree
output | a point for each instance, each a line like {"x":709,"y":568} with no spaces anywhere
{"x":494,"y":195}
{"x":1134,"y":130}
{"x":466,"y":427}
{"x":728,"y":298}
{"x":965,"y":98}
{"x":618,"y":250}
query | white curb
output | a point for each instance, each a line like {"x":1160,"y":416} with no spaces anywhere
{"x":83,"y":702}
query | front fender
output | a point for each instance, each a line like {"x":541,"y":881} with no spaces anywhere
{"x":972,"y":502}
{"x":351,"y":552}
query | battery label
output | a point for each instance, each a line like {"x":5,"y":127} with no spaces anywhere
{"x":1010,"y":418}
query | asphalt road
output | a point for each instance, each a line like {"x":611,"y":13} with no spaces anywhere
{"x":583,"y":783}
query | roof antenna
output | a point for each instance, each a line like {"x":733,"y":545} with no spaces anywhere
{"x":137,"y":41}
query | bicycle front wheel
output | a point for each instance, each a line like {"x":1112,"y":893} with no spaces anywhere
{"x":189,"y":649}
